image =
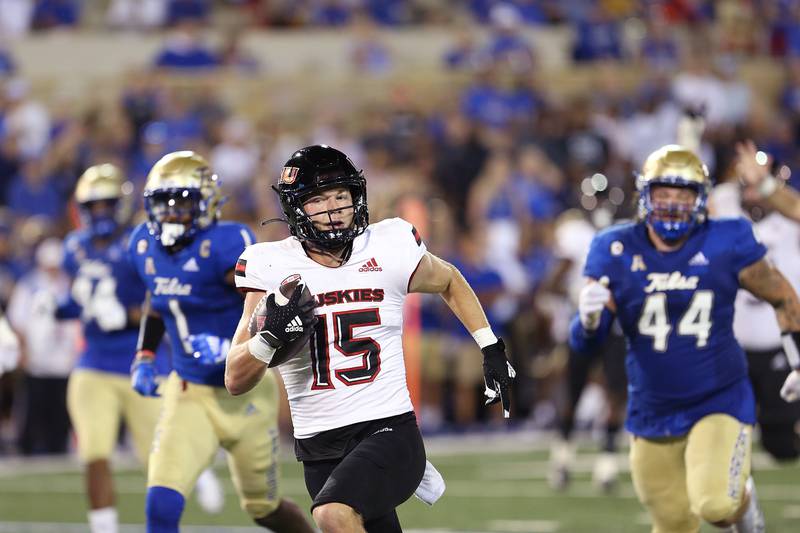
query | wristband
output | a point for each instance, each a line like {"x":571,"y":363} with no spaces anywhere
{"x":260,"y":349}
{"x":790,"y":341}
{"x":484,"y":337}
{"x":145,"y":354}
{"x":768,"y":186}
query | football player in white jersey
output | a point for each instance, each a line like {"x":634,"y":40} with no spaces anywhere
{"x":753,"y":167}
{"x":754,"y":322}
{"x":354,"y":424}
{"x":573,"y":235}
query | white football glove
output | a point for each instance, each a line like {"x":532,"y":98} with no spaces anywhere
{"x":109,"y":314}
{"x":791,"y":387}
{"x":9,"y":347}
{"x":593,"y":298}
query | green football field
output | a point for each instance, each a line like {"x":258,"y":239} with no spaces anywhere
{"x":504,"y":490}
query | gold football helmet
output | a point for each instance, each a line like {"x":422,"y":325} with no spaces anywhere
{"x":673,"y":166}
{"x":104,"y":197}
{"x":182,"y":196}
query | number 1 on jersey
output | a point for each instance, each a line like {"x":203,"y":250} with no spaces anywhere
{"x":182,"y":324}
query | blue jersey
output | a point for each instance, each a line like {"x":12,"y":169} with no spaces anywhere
{"x":104,"y":274}
{"x":676,"y":310}
{"x":188,"y":289}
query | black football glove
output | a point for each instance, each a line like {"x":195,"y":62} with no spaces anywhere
{"x":498,"y":375}
{"x":281,"y":324}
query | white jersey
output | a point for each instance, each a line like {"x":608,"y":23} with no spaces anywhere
{"x":572,"y":240}
{"x":754,"y":323}
{"x":353,"y":370}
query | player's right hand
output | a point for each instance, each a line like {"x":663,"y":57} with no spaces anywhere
{"x":109,"y":314}
{"x":282,"y":324}
{"x":790,"y":391}
{"x":143,"y":376}
{"x":591,"y":301}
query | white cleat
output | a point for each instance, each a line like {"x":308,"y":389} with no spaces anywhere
{"x":209,"y":493}
{"x":605,"y":472}
{"x":562,"y":456}
{"x":753,"y":519}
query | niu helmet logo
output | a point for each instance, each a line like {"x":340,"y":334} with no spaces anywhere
{"x":289,"y":175}
{"x":370,"y":266}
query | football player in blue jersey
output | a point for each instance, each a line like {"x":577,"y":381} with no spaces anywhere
{"x":106,"y":295}
{"x":671,"y":279}
{"x":186,"y":259}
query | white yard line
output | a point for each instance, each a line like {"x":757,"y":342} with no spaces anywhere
{"x":790,"y":511}
{"x":468,"y":489}
{"x":525,"y":526}
{"x":55,"y":527}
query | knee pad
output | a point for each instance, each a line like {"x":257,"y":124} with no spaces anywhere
{"x":714,"y":509}
{"x":163,"y":509}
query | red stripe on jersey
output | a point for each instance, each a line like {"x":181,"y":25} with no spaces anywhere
{"x":415,"y":233}
{"x":241,"y":266}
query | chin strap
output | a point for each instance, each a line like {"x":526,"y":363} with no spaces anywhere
{"x":346,"y":252}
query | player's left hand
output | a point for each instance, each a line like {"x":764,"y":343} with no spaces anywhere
{"x":498,"y":375}
{"x":209,"y":349}
{"x":790,"y":391}
{"x":752,"y":165}
{"x":143,"y":376}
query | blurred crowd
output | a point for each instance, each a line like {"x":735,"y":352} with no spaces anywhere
{"x":498,"y":164}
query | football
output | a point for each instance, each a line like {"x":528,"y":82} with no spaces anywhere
{"x":291,"y":349}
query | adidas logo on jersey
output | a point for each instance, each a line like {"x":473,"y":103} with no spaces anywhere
{"x":295,"y":326}
{"x":698,"y":260}
{"x":370,"y":266}
{"x":191,"y":265}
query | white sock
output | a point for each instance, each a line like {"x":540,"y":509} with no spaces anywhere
{"x":209,"y":492}
{"x":103,"y":520}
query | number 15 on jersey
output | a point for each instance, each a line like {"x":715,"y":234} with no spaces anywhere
{"x":364,"y":350}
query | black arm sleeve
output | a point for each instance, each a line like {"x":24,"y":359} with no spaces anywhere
{"x":151,"y":331}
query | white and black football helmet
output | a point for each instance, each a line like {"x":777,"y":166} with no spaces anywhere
{"x":309,"y":171}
